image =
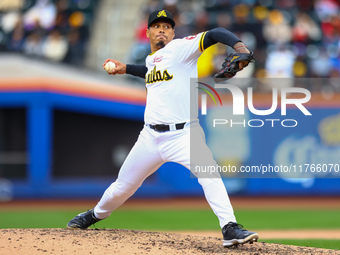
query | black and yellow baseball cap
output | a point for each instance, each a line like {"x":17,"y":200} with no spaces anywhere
{"x":161,"y":14}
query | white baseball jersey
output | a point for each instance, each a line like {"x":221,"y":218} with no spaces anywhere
{"x":169,"y":71}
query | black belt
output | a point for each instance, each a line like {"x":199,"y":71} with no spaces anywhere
{"x":164,"y":128}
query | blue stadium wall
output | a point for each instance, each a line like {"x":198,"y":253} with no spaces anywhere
{"x":72,"y":143}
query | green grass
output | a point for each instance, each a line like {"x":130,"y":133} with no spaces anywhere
{"x":160,"y":220}
{"x":178,"y":219}
{"x":290,"y":219}
{"x":327,"y":244}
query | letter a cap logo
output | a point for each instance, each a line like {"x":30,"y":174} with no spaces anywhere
{"x":163,"y":15}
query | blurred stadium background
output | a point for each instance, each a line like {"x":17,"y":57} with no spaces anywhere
{"x":66,"y":126}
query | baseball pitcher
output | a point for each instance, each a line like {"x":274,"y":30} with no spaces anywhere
{"x":168,"y":125}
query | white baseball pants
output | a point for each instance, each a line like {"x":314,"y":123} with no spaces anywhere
{"x":153,"y":149}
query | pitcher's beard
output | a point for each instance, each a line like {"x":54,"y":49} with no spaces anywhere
{"x":160,"y":44}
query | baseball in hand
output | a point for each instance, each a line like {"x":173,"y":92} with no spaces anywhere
{"x":109,"y":66}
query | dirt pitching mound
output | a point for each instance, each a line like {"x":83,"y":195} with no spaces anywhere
{"x":117,"y":241}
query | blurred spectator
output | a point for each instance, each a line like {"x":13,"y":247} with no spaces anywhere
{"x":223,"y":19}
{"x":17,"y":36}
{"x":76,"y":47}
{"x":63,"y":14}
{"x":38,"y":31}
{"x":55,"y":46}
{"x":9,"y":20}
{"x":300,"y":67}
{"x":201,"y":22}
{"x":184,"y":24}
{"x":279,"y":63}
{"x":141,"y":47}
{"x":33,"y":44}
{"x":77,"y":19}
{"x":43,"y":13}
{"x":331,"y":29}
{"x":305,"y":29}
{"x":259,"y":13}
{"x":321,"y":66}
{"x":276,"y":29}
{"x":326,"y":8}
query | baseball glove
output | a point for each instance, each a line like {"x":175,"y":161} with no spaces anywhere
{"x":231,"y":65}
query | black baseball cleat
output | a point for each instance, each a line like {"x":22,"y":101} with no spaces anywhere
{"x":83,"y":220}
{"x":234,"y":234}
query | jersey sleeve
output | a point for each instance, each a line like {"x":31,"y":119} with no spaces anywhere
{"x":190,"y":48}
{"x":136,"y":70}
